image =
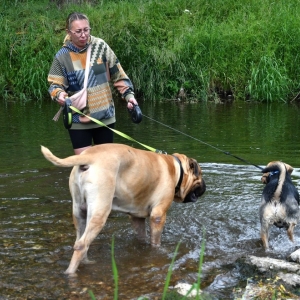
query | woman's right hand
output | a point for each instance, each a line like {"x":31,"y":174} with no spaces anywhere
{"x":61,"y":98}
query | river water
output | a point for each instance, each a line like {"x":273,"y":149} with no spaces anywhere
{"x":37,"y":233}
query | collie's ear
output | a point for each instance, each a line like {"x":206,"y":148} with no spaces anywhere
{"x":289,"y":168}
{"x":264,"y":178}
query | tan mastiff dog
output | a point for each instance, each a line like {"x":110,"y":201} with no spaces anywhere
{"x":137,"y":182}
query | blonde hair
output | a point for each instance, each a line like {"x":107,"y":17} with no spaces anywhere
{"x":73,"y":17}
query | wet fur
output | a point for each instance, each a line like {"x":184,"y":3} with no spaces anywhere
{"x":280,"y":201}
{"x":136,"y":182}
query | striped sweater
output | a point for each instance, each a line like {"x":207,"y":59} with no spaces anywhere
{"x":67,"y":74}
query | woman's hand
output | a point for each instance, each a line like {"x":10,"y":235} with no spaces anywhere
{"x":131,"y":102}
{"x":61,"y":98}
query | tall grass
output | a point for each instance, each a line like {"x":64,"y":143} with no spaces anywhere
{"x":26,"y":48}
{"x":168,"y":278}
{"x":115,"y":269}
{"x":269,"y":80}
{"x":249,"y":48}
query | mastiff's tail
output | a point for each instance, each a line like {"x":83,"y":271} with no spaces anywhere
{"x":71,"y":161}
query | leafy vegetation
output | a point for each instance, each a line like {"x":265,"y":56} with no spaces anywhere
{"x":211,"y":49}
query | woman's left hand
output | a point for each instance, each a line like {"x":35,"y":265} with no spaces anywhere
{"x":131,"y":102}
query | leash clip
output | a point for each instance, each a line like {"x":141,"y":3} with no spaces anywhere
{"x":160,"y":151}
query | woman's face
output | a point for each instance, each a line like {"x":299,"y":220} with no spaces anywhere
{"x":80,"y":33}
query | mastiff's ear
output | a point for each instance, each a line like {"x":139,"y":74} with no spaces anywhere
{"x":194,"y":165}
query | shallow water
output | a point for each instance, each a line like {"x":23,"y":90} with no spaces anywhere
{"x":37,"y":233}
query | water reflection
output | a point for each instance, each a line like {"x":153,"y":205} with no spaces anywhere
{"x":37,"y":234}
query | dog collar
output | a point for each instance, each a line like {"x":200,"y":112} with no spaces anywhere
{"x":181,"y":174}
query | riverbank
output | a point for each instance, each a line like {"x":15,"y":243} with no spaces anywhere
{"x":220,"y":49}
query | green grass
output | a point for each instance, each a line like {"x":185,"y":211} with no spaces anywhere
{"x":115,"y":269}
{"x":247,"y":47}
{"x":269,"y":80}
{"x":168,"y":278}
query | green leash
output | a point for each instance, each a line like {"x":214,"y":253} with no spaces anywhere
{"x":117,"y":131}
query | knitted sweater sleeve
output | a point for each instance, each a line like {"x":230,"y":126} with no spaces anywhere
{"x":118,"y":76}
{"x":57,"y":79}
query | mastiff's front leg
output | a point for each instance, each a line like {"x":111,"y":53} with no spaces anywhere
{"x":157,"y":223}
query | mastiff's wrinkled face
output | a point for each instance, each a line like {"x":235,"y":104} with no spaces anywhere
{"x":193,"y":195}
{"x":193,"y":185}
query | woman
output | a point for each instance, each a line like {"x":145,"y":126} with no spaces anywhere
{"x":66,"y":77}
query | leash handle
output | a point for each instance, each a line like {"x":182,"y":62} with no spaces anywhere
{"x":136,"y":114}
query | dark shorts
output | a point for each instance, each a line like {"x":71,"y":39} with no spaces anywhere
{"x":86,"y":137}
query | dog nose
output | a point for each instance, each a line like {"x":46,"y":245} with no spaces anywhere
{"x":196,"y":193}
